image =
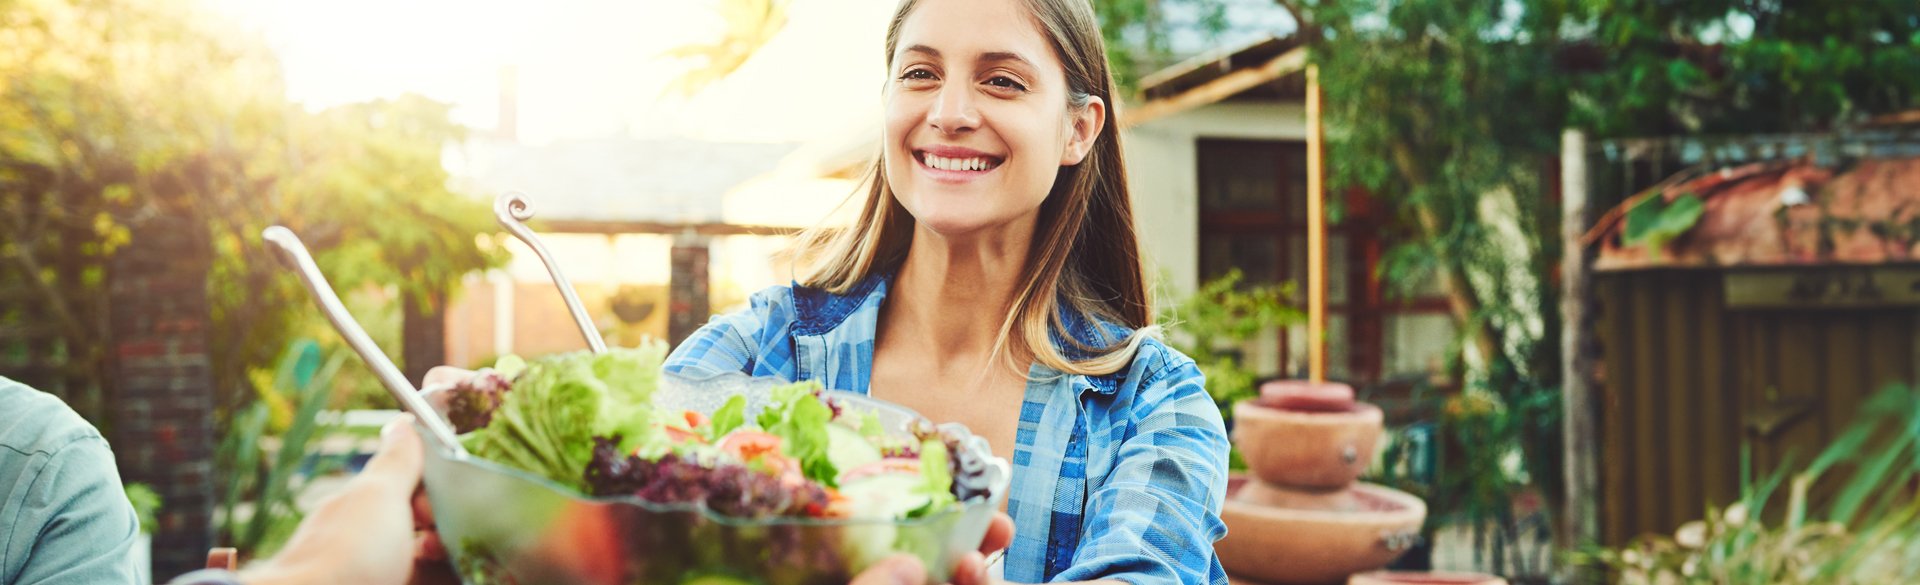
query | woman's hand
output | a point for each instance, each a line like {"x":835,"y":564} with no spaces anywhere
{"x":971,"y":569}
{"x":894,"y":570}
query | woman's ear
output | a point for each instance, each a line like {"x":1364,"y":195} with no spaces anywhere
{"x":1084,"y":126}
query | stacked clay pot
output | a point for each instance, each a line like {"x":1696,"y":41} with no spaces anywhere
{"x":1300,"y":516}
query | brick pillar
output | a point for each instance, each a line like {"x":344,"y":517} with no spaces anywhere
{"x":687,"y":288}
{"x":164,"y":394}
{"x":423,"y":334}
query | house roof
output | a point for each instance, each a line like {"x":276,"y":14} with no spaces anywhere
{"x":1783,"y":212}
{"x":1268,"y":70}
{"x":616,"y":180}
{"x":1212,"y":65}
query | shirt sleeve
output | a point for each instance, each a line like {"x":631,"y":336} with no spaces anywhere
{"x":1156,"y":517}
{"x":84,"y":524}
{"x":733,"y":342}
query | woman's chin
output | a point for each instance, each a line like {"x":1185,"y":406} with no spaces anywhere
{"x":959,"y":227}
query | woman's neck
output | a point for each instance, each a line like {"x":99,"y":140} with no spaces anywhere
{"x":952,"y":295}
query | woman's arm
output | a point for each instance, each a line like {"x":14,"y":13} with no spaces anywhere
{"x":1157,"y":515}
{"x":732,"y":342}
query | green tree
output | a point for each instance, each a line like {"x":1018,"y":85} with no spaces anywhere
{"x":116,"y":110}
{"x":1446,"y":113}
{"x":1649,"y":68}
{"x":1138,"y":32}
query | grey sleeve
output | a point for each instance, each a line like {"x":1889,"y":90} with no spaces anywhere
{"x":86,"y":525}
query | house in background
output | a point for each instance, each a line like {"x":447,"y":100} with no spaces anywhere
{"x":1216,"y":157}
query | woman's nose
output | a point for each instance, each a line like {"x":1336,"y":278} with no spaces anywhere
{"x":953,"y":110}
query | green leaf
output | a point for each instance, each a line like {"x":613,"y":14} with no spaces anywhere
{"x":938,"y":481}
{"x":799,"y":418}
{"x":1654,"y":222}
{"x":729,"y":417}
{"x":510,"y":366}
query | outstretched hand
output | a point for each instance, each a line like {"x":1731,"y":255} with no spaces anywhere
{"x":369,"y":532}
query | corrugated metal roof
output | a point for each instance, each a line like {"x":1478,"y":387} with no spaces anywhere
{"x":1797,"y":211}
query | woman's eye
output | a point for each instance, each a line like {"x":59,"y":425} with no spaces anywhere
{"x":1006,"y":82}
{"x":916,"y":74}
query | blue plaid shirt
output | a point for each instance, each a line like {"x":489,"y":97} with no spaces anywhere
{"x":1119,"y":476}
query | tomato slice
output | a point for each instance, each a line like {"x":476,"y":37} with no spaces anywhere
{"x":679,"y":435}
{"x":749,"y":445}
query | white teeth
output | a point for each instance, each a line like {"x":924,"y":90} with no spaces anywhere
{"x":957,"y":164}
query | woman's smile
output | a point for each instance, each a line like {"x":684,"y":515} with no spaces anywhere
{"x":953,"y":164}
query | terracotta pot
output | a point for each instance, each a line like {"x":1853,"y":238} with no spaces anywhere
{"x":1261,"y":493}
{"x":1326,"y":450}
{"x":1402,"y":578}
{"x":1307,"y":396}
{"x":1286,"y":546}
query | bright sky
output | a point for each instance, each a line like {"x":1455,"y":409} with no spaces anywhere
{"x":591,"y":68}
{"x":587,"y":68}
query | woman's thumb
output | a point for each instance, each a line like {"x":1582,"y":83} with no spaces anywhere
{"x":894,"y":570}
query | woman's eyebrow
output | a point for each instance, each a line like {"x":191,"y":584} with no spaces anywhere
{"x":1002,"y":56}
{"x":987,"y":57}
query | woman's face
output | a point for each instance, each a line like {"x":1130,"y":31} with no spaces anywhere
{"x":978,"y":122}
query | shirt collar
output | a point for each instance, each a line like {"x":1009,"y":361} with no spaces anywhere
{"x":818,"y":312}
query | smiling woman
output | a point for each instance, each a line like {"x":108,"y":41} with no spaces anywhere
{"x":993,"y":278}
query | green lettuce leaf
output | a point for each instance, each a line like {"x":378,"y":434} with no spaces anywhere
{"x":628,"y":378}
{"x":546,"y":424}
{"x":730,"y":416}
{"x":800,"y":419}
{"x":938,"y":484}
{"x":870,"y":427}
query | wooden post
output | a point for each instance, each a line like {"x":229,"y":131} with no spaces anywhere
{"x":1579,"y":521}
{"x":1316,"y":237}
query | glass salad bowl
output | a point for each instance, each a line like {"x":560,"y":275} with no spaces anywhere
{"x":502,"y":525}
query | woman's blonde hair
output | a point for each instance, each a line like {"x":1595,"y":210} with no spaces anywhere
{"x":1085,"y":253}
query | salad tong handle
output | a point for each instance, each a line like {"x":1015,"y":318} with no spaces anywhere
{"x":295,"y":253}
{"x":513,"y":208}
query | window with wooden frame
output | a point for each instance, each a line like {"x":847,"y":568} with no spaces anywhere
{"x":1253,"y":202}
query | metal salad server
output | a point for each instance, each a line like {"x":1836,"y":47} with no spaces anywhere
{"x":295,"y":254}
{"x":513,"y":208}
